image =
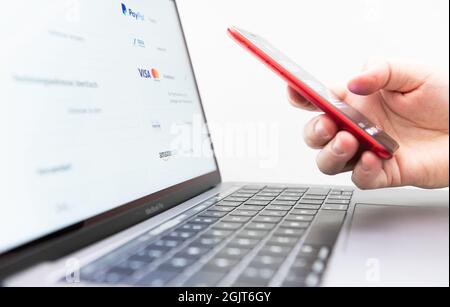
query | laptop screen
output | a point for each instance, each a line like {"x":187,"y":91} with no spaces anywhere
{"x":99,"y":107}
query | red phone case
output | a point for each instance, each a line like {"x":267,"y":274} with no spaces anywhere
{"x":367,"y":142}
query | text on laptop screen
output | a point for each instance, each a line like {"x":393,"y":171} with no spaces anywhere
{"x":99,"y":108}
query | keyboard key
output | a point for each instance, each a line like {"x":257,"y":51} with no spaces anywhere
{"x":236,"y":199}
{"x":304,"y":212}
{"x":299,"y":218}
{"x":311,"y":201}
{"x":251,"y":207}
{"x":133,"y":264}
{"x":166,"y":242}
{"x":312,"y":280}
{"x":275,"y":251}
{"x":181,"y":235}
{"x":257,"y":277}
{"x":243,"y":243}
{"x":205,"y":279}
{"x":157,"y":278}
{"x":296,"y":190}
{"x":229,"y":204}
{"x":145,"y":259}
{"x":263,"y":198}
{"x":215,"y":233}
{"x":308,"y":252}
{"x":260,"y":226}
{"x":268,"y":194}
{"x":241,"y":212}
{"x":177,"y":264}
{"x":233,"y":252}
{"x":227,"y":226}
{"x":294,"y":280}
{"x":301,"y":266}
{"x":253,"y":234}
{"x":258,"y":202}
{"x":292,"y":232}
{"x":213,"y":213}
{"x":249,"y":191}
{"x":318,"y":267}
{"x":273,"y":213}
{"x":205,"y":220}
{"x":236,"y":219}
{"x":318,"y":191}
{"x":116,"y":274}
{"x":283,"y":203}
{"x":194,"y":251}
{"x":243,"y":195}
{"x":317,"y":197}
{"x":297,"y":225}
{"x":324,"y":253}
{"x":193,"y":227}
{"x":207,"y":242}
{"x":267,"y":261}
{"x":293,"y":194}
{"x":277,"y":207}
{"x":149,"y":255}
{"x":267,"y":219}
{"x":220,"y":264}
{"x":347,"y":193}
{"x":308,"y":207}
{"x":338,"y":202}
{"x":288,"y":198}
{"x":340,"y":197}
{"x":221,"y":208}
{"x":335,"y":207}
{"x":283,"y":241}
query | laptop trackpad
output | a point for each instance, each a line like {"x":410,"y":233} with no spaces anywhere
{"x":401,"y":245}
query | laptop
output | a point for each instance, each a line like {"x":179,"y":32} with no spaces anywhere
{"x":109,"y":176}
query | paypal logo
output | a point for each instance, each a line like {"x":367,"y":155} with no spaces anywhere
{"x":145,"y":73}
{"x":131,"y":13}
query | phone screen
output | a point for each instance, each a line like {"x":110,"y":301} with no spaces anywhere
{"x":318,"y":87}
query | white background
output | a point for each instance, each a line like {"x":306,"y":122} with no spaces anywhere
{"x":332,"y":39}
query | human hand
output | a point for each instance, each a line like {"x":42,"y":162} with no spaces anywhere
{"x":411,"y":104}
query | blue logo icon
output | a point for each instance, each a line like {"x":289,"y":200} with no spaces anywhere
{"x":145,"y":73}
{"x":131,"y":13}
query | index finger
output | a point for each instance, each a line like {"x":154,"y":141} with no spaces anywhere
{"x":298,"y":101}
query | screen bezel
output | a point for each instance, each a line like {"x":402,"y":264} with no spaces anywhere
{"x":80,"y":235}
{"x":382,"y":144}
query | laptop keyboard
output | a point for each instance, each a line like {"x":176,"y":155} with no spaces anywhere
{"x":258,"y":236}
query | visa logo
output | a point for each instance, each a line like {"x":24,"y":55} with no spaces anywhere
{"x":131,"y":13}
{"x":145,"y":73}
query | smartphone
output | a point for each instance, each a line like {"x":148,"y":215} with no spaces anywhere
{"x":371,"y":136}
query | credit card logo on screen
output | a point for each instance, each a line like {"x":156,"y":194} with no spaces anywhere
{"x":132,"y":13}
{"x":155,"y":74}
{"x":149,"y":73}
{"x":145,"y":73}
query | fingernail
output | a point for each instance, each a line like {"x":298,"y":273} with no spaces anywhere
{"x":354,"y":88}
{"x":319,"y":129}
{"x":338,"y":148}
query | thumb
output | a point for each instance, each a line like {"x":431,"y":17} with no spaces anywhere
{"x":395,"y":76}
